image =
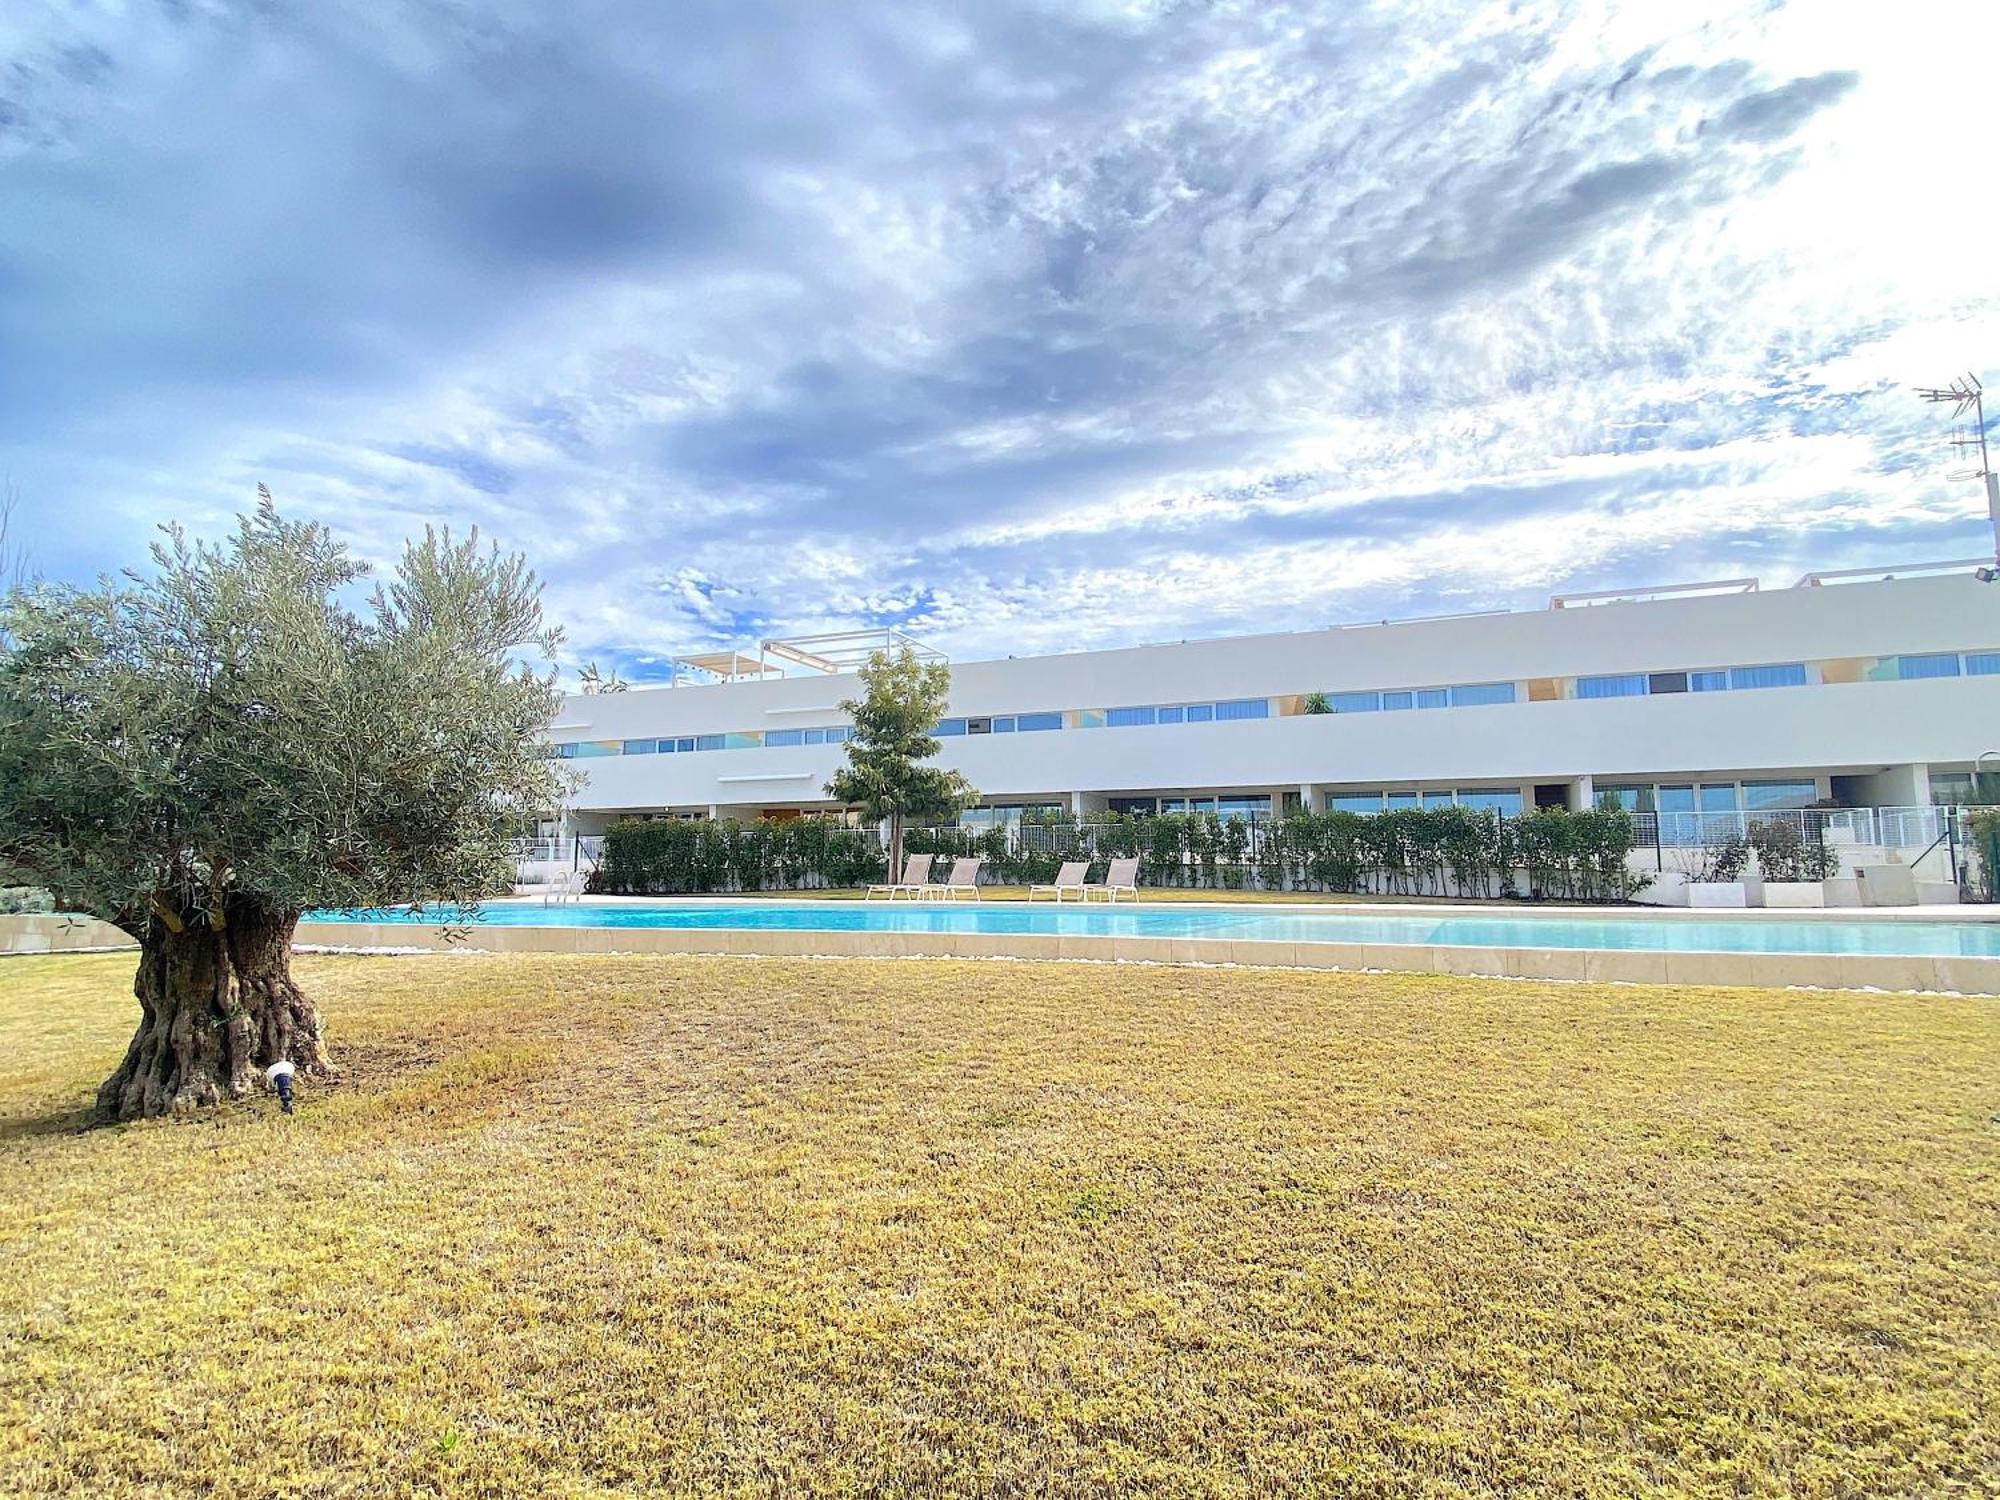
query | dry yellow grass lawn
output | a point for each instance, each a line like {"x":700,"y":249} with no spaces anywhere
{"x":582,"y":1226}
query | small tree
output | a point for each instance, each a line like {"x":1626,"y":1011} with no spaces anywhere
{"x":902,"y":700}
{"x":200,"y":753}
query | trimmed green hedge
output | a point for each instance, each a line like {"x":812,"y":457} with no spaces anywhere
{"x":1428,"y":851}
{"x":1418,"y":851}
{"x":679,"y":858}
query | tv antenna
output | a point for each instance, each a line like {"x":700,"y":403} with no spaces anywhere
{"x":1966,"y":394}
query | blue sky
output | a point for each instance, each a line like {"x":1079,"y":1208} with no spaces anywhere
{"x":1027,"y":326}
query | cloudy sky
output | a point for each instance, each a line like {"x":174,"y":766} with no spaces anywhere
{"x":1024,"y":326}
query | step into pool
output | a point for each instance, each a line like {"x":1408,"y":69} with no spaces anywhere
{"x":1849,"y":936}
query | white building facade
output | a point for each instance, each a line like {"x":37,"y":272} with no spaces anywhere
{"x":1718,"y":698}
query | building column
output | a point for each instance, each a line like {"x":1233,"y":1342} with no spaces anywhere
{"x":1582,"y":794}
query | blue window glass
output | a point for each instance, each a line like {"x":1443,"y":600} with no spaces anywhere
{"x":1398,"y":700}
{"x":1038,"y":721}
{"x":1243,"y":708}
{"x":1779,"y":674}
{"x":684,"y":744}
{"x":642,"y":747}
{"x":566,"y":751}
{"x":1937,"y":664}
{"x":840,"y":734}
{"x":1433,"y":698}
{"x":1394,"y":800}
{"x":1243,"y":807}
{"x":1126,"y":718}
{"x":1355,"y":802}
{"x":1759,"y":796}
{"x":1632,"y":685}
{"x":1707,"y":682}
{"x":1354,"y":703}
{"x":1004,"y":726}
{"x":1200,"y":713}
{"x":784,"y":736}
{"x":814,"y":736}
{"x":1497,"y":799}
{"x":1982,"y":664}
{"x":1173,"y":715}
{"x":708,"y":741}
{"x":1474,"y":693}
{"x":949,"y":727}
{"x":592,"y":749}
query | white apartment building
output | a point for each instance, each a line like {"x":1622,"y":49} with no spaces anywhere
{"x":1701,"y":698}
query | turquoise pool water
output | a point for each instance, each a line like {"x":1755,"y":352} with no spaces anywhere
{"x":1263,"y":924}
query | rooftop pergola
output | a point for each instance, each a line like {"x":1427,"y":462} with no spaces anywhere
{"x":833,"y":652}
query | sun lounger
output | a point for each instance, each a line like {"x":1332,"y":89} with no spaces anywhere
{"x":1122,"y":876}
{"x":1068,"y":879}
{"x":963,"y":880}
{"x":916,"y":875}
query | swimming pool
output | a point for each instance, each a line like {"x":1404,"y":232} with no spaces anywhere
{"x":1842,"y":935}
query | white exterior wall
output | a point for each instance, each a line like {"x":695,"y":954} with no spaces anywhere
{"x":1863,"y":728}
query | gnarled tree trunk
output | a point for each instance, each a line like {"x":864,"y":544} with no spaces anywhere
{"x":192,"y":1047}
{"x":284,"y":1022}
{"x":217,"y":1005}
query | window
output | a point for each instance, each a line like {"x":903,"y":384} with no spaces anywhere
{"x":708,"y":742}
{"x":1982,"y":664}
{"x":1038,"y":721}
{"x":784,"y":736}
{"x":1004,"y":726}
{"x":1948,"y":787}
{"x":1667,"y":682}
{"x":1200,"y":713}
{"x":1676,"y":799}
{"x":1490,"y":799}
{"x":814,"y":736}
{"x":1761,"y":796}
{"x":592,"y":749}
{"x":1174,"y":715}
{"x":1354,"y":802}
{"x":566,"y":751}
{"x":1482,"y":692}
{"x":949,"y":727}
{"x":1398,"y":700}
{"x":1089,"y":718}
{"x":1126,"y":718}
{"x":1716,"y":799}
{"x":1137,"y":806}
{"x":1244,"y":807}
{"x":1433,"y":698}
{"x":840,"y":734}
{"x":1631,"y":798}
{"x":978,"y":726}
{"x":682,"y":745}
{"x":749,"y":740}
{"x":1781,"y":674}
{"x":642,"y":747}
{"x":1394,"y":800}
{"x":1354,"y":703}
{"x":1243,"y":708}
{"x":1937,"y":664}
{"x":1707,"y":682}
{"x":1632,"y":685}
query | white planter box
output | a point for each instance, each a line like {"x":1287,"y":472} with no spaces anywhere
{"x":1936,"y":893}
{"x":1718,"y":893}
{"x":1794,"y":893}
{"x":1669,"y":888}
{"x":1887,"y":885}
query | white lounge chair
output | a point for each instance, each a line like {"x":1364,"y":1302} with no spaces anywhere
{"x":1122,"y":876}
{"x":916,"y":875}
{"x":1069,"y":878}
{"x":964,"y":879}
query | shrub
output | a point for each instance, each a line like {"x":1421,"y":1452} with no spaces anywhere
{"x":17,"y":899}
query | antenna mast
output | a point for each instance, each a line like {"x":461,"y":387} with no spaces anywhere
{"x":1966,"y":394}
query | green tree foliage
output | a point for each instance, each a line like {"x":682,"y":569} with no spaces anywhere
{"x":902,"y":700}
{"x":201,"y":751}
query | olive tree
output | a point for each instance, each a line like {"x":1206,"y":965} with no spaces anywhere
{"x":901,"y":702}
{"x":201,"y":751}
